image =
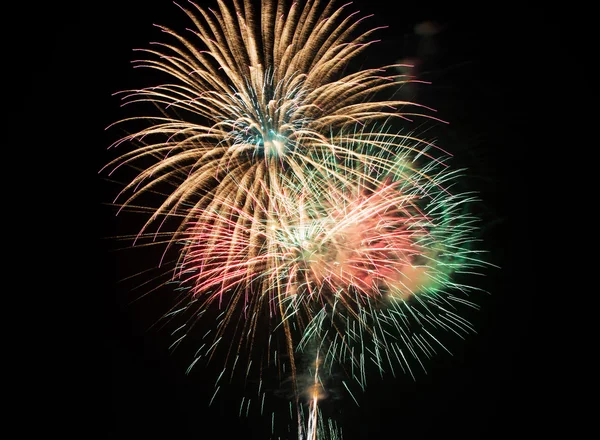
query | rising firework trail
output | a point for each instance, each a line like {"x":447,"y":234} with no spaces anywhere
{"x":307,"y":219}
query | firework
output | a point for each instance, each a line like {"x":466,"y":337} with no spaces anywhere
{"x":311,"y":223}
{"x":267,"y":102}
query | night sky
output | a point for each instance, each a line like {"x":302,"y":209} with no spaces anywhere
{"x":476,"y":66}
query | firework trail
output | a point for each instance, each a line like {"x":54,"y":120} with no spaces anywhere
{"x":303,"y":216}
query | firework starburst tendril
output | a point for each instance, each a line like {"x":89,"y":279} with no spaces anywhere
{"x":304,"y":212}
